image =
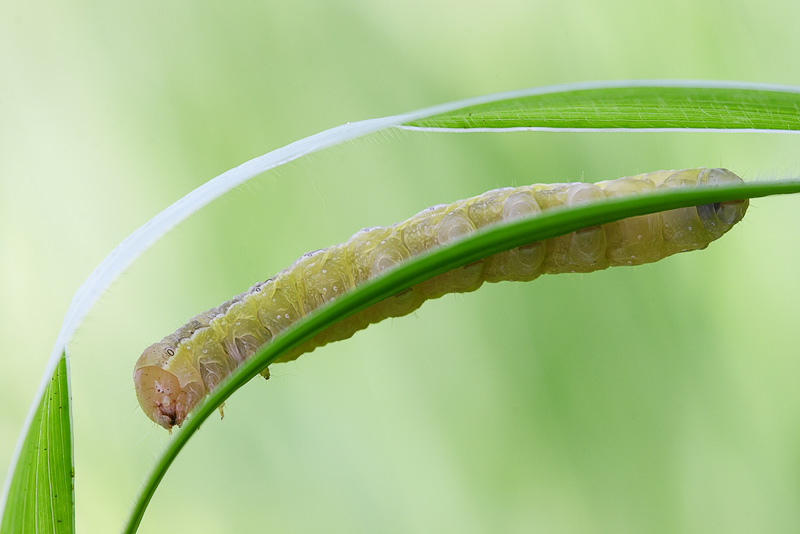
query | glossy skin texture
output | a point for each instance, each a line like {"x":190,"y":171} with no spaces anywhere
{"x":172,"y":376}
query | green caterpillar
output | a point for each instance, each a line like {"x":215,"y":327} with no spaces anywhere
{"x":172,"y":376}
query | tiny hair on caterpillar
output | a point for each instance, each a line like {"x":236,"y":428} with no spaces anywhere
{"x":175,"y":374}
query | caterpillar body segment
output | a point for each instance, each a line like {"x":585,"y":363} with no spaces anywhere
{"x":172,"y":376}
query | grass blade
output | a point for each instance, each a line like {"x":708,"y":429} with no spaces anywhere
{"x":652,"y":106}
{"x":418,"y":269}
{"x":41,"y":498}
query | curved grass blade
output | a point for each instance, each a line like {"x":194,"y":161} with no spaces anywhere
{"x":646,"y":106}
{"x":41,"y":497}
{"x":472,"y":248}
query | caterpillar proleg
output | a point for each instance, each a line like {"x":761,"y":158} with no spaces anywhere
{"x":172,"y":376}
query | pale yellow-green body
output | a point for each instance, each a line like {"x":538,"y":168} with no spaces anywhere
{"x":172,"y":376}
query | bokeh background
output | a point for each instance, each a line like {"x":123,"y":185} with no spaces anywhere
{"x":661,"y":398}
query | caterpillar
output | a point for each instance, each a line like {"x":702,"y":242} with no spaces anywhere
{"x":172,"y":376}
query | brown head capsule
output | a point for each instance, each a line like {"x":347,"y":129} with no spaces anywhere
{"x":161,"y":393}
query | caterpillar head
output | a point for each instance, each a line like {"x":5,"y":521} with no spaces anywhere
{"x":160,"y":393}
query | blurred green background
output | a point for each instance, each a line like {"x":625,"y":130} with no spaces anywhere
{"x":661,"y":398}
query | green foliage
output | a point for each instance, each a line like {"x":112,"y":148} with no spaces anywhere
{"x":41,"y":497}
{"x":652,"y":106}
{"x":41,"y":490}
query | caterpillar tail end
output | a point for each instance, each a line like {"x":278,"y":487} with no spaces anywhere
{"x":720,"y":217}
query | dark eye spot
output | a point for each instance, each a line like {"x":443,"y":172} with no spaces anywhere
{"x":720,"y":216}
{"x":708,"y":215}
